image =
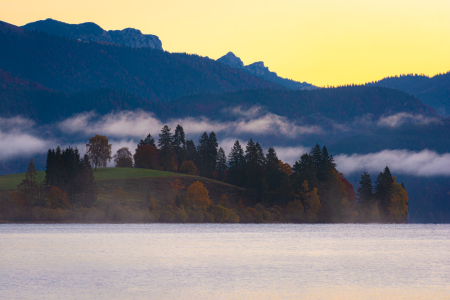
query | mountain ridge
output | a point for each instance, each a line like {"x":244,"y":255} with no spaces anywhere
{"x":66,"y":65}
{"x":433,"y":91}
{"x":90,"y":32}
{"x":258,"y":69}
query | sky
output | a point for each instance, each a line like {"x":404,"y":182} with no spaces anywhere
{"x":323,"y":42}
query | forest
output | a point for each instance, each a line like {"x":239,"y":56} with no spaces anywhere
{"x":311,"y":191}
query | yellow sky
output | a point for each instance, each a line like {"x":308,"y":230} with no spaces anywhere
{"x":324,"y":42}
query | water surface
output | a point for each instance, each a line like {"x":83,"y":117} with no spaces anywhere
{"x":209,"y":261}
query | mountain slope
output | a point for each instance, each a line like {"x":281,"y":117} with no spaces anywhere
{"x":259,"y":70}
{"x":69,"y":66}
{"x":434,"y":91}
{"x":338,"y":104}
{"x":128,"y":37}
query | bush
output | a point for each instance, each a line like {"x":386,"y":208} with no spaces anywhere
{"x":188,"y":167}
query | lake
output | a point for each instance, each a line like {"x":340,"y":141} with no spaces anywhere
{"x":224,"y":261}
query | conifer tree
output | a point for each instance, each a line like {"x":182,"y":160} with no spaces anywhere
{"x":365,"y":191}
{"x":179,"y":144}
{"x":254,"y":167}
{"x":149,"y":140}
{"x":207,"y":151}
{"x":236,"y":162}
{"x":274,"y":173}
{"x":191,"y":152}
{"x":383,"y":185}
{"x":221,"y":164}
{"x":167,"y":157}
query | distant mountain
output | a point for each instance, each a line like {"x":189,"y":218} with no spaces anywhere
{"x":91,"y":32}
{"x":433,"y":91}
{"x":66,"y":65}
{"x":259,"y":70}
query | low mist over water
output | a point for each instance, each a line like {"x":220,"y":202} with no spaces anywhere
{"x":209,"y":261}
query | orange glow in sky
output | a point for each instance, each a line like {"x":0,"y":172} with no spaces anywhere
{"x":323,"y":42}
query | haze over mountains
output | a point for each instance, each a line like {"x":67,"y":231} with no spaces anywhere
{"x":55,"y":89}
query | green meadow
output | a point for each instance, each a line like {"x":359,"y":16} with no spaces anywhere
{"x":9,"y":182}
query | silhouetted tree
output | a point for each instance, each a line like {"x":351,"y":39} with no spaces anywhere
{"x":99,"y":151}
{"x":149,"y":140}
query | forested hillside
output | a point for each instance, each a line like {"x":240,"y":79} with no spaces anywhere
{"x":70,"y":66}
{"x":433,"y":91}
{"x":339,"y":104}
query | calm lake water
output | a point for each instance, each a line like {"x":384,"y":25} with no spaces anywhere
{"x":207,"y":261}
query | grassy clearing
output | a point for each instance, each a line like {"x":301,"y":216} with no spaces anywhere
{"x":9,"y":182}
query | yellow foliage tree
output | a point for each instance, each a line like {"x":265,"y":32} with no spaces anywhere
{"x":285,"y":168}
{"x":398,"y":209}
{"x":198,"y":194}
{"x":176,"y":186}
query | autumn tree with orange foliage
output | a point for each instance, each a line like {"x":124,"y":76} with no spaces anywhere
{"x":57,"y":199}
{"x":285,"y":168}
{"x":198,"y":194}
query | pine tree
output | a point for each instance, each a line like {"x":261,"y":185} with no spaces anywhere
{"x":191,"y":152}
{"x":30,"y":175}
{"x":149,"y":140}
{"x":305,"y":169}
{"x":221,"y":164}
{"x":254,"y":167}
{"x":364,"y":192}
{"x":383,"y":186}
{"x":202,"y":150}
{"x":179,"y":144}
{"x":274,"y":174}
{"x":236,"y":162}
{"x":165,"y":138}
{"x":167,"y":157}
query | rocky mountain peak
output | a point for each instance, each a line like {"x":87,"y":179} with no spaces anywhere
{"x":89,"y":31}
{"x":231,"y":60}
{"x":258,"y":69}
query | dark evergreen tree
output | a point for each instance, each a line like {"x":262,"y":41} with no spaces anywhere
{"x":191,"y":152}
{"x":236,"y":163}
{"x":179,"y":144}
{"x":365,"y":191}
{"x":66,"y":171}
{"x":85,"y":180}
{"x":274,"y":174}
{"x":305,"y":169}
{"x":207,"y":152}
{"x":221,"y":164}
{"x":202,"y":150}
{"x":383,"y":185}
{"x":149,"y":140}
{"x":167,"y":157}
{"x":254,"y":169}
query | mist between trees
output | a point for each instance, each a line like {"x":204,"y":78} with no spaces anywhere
{"x":246,"y":186}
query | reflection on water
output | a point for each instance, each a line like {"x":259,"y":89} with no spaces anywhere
{"x":207,"y":261}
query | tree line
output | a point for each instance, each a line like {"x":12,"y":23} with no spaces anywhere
{"x":312,"y":190}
